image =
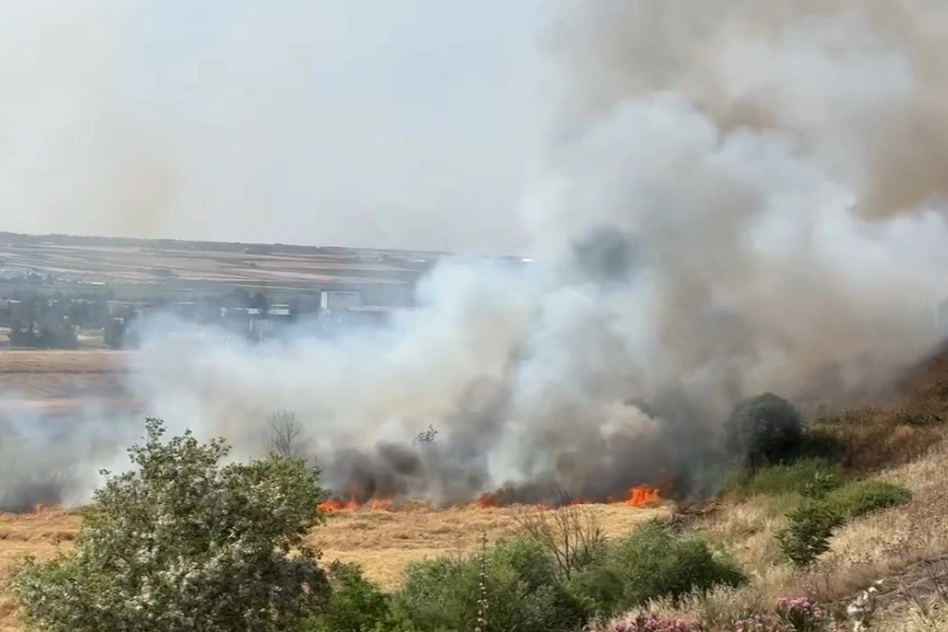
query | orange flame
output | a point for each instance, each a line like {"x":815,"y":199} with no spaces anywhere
{"x":351,"y":504}
{"x":638,"y":496}
{"x":336,"y":504}
{"x":642,"y":496}
{"x":487,"y":500}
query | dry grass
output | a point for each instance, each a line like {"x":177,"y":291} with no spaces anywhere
{"x":902,"y":443}
{"x":382,"y":542}
{"x":877,"y":546}
{"x":43,"y":536}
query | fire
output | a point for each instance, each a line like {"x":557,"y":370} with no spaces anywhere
{"x":642,"y":496}
{"x":40,"y":508}
{"x":638,"y":496}
{"x":486,"y":500}
{"x":351,"y":504}
{"x":336,"y":504}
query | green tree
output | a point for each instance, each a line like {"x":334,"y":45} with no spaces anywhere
{"x":764,"y":429}
{"x":183,"y":543}
{"x":807,"y":536}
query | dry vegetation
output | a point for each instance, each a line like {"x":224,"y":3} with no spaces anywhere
{"x":905,"y":546}
{"x":43,"y":535}
{"x":879,"y":546}
{"x":382,"y":542}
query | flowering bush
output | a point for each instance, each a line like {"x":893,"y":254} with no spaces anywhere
{"x":182,"y":543}
{"x":762,"y":623}
{"x":802,"y":614}
{"x":647,"y":622}
{"x":798,"y":614}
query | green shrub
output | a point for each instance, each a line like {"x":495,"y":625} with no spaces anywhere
{"x":650,"y":563}
{"x":182,"y":543}
{"x":764,"y":429}
{"x":520,"y":582}
{"x":858,"y":499}
{"x":813,"y":478}
{"x":808,"y":534}
{"x":355,"y":605}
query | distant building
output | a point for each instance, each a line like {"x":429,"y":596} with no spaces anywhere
{"x":337,"y":300}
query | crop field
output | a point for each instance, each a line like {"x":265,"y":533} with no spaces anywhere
{"x":70,"y":264}
{"x":56,"y":383}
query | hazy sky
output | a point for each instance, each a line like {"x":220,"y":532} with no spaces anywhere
{"x":360,"y":122}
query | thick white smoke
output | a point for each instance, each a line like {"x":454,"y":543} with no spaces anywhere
{"x":735,"y":197}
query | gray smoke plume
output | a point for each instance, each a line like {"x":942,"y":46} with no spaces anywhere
{"x":735,"y":197}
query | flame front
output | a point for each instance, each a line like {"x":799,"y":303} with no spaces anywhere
{"x":486,"y":500}
{"x":642,"y":496}
{"x":638,"y":496}
{"x":351,"y":504}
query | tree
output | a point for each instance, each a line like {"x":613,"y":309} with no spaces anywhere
{"x":570,"y":534}
{"x":764,"y":429}
{"x":285,"y":437}
{"x":182,"y":543}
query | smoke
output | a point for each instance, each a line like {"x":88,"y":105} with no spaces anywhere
{"x":76,"y":157}
{"x":356,"y":123}
{"x":52,"y":461}
{"x":733,"y":197}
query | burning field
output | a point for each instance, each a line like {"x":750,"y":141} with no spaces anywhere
{"x":638,"y":496}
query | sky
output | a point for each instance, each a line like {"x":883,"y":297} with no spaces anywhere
{"x":364,"y":122}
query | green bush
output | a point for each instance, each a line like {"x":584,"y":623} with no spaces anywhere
{"x":650,"y":563}
{"x":520,"y":583}
{"x":764,"y":429}
{"x":182,"y":543}
{"x":355,"y":605}
{"x":809,"y":532}
{"x":813,"y":478}
{"x":858,"y":499}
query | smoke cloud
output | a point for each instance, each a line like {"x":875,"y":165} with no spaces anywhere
{"x":354,"y":124}
{"x":733,"y":197}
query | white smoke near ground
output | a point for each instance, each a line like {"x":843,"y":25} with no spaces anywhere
{"x":735,"y":197}
{"x":48,"y":461}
